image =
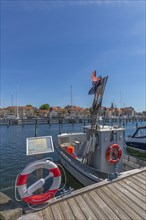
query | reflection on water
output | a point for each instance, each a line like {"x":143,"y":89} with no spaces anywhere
{"x":13,"y":157}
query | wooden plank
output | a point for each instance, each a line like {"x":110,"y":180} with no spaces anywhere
{"x":57,"y":213}
{"x":67,"y":212}
{"x":107,"y":211}
{"x":132,"y":208}
{"x":144,"y":173}
{"x":76,"y":209}
{"x":133,"y":191}
{"x":40,"y":214}
{"x":139,"y":179}
{"x":136,"y":181}
{"x":134,"y":186}
{"x":85,"y":208}
{"x":97,"y":211}
{"x":130,"y":195}
{"x":113,"y":203}
{"x":47,"y":213}
{"x":142,"y":176}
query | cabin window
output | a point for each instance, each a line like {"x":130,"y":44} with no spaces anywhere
{"x":140,"y":133}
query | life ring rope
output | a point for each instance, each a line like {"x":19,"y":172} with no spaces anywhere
{"x":110,"y":151}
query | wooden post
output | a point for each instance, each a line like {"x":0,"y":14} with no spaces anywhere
{"x":59,"y":127}
{"x":59,"y":122}
{"x":36,"y":128}
{"x":8,"y":124}
{"x":39,"y":157}
{"x":84,"y":123}
{"x":39,"y":174}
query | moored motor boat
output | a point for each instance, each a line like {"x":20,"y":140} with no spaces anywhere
{"x":96,"y":154}
{"x":92,"y":156}
{"x":137,"y":141}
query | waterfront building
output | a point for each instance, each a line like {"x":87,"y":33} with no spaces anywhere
{"x":2,"y":112}
{"x":128,"y":111}
{"x":27,"y":111}
{"x":43,"y":113}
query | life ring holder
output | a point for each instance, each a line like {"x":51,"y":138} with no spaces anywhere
{"x":109,"y":152}
{"x":26,"y":194}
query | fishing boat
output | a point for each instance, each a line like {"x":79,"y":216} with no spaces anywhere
{"x":97,"y":153}
{"x":137,"y":141}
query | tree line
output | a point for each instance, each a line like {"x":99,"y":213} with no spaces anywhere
{"x":42,"y":107}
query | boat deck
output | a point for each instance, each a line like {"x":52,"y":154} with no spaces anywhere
{"x":122,"y":198}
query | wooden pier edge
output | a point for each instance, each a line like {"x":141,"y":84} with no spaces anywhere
{"x":98,"y":185}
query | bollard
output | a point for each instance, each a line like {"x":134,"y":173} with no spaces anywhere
{"x":8,"y":124}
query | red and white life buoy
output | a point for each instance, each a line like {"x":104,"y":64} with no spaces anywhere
{"x":114,"y":153}
{"x":26,"y":193}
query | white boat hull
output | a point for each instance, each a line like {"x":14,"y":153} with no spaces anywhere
{"x":88,"y":163}
{"x":79,"y":172}
{"x":84,"y":180}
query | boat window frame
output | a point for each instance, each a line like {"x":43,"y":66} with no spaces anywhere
{"x":137,"y":131}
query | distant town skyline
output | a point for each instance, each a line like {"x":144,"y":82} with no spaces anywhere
{"x":112,"y":106}
{"x":47,"y":47}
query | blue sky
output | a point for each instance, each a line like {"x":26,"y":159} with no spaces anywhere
{"x":47,"y":46}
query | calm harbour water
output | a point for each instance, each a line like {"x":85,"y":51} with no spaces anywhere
{"x":13,"y":157}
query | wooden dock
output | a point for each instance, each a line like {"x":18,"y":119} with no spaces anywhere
{"x":122,"y":198}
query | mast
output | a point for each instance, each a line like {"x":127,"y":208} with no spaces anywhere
{"x":17,"y":113}
{"x":99,"y":84}
{"x":12,"y":99}
{"x":71,"y":95}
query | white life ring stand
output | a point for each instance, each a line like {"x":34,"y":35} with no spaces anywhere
{"x":26,"y":194}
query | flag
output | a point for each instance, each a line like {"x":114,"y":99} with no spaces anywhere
{"x":95,"y":83}
{"x":98,"y":94}
{"x":95,"y":78}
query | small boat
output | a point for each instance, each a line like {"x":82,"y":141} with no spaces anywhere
{"x":137,"y":141}
{"x":96,"y":154}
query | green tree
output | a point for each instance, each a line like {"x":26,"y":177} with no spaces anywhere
{"x":45,"y":107}
{"x":29,"y":105}
{"x":91,"y":110}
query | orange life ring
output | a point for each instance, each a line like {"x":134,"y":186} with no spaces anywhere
{"x":112,"y":155}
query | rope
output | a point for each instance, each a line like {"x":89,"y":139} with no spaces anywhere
{"x":18,"y":200}
{"x":65,"y":181}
